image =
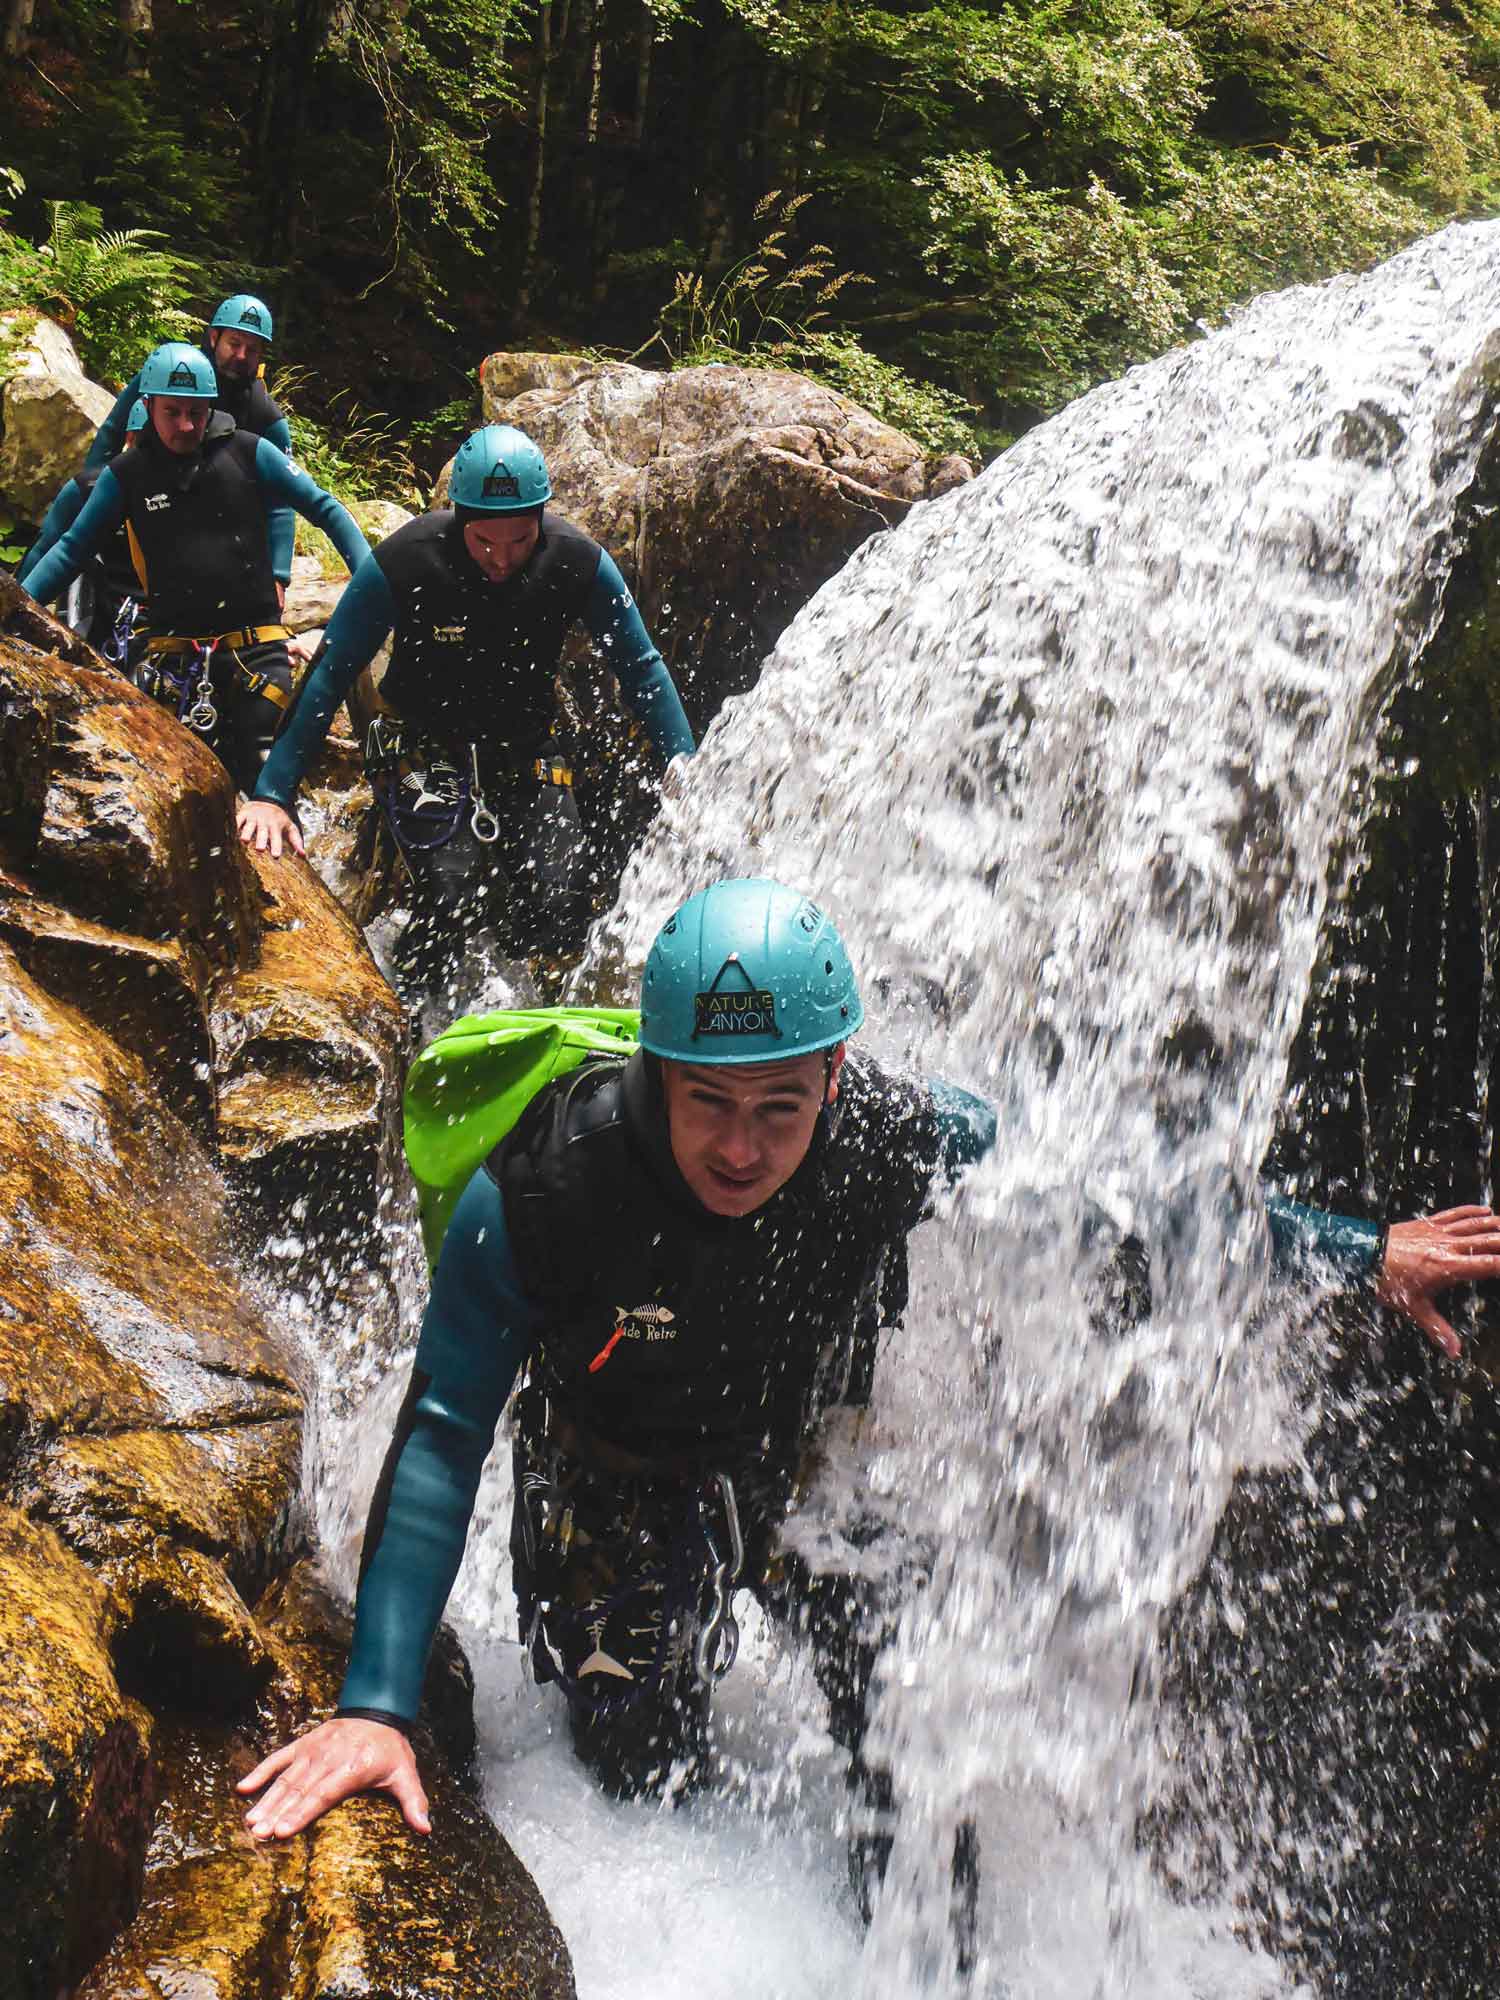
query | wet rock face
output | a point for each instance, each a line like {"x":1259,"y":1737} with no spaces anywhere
{"x":357,"y":1905}
{"x":196,"y":1054}
{"x":728,"y":496}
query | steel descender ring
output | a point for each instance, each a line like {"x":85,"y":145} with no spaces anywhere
{"x":203,"y":716}
{"x":482,"y":822}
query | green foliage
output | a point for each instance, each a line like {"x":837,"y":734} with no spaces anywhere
{"x":117,"y":292}
{"x":440,"y":78}
{"x":1386,"y":77}
{"x":936,"y":418}
{"x":1069,"y":288}
{"x":348,"y":452}
{"x":446,"y":426}
{"x":11,"y":551}
{"x":768,"y":296}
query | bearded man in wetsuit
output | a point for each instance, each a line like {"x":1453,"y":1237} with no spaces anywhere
{"x":236,"y":340}
{"x":686,"y":1251}
{"x":482,"y":594}
{"x":195,"y":497}
{"x":111,"y":588}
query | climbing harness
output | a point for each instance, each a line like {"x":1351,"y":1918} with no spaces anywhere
{"x":423,"y":807}
{"x":425,"y":796}
{"x":176,"y":672}
{"x":625,"y":1585}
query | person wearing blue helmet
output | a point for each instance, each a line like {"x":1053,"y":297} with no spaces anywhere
{"x":686,"y":1252}
{"x":104,"y":600}
{"x":482,"y":595}
{"x":236,"y":340}
{"x":194,"y":498}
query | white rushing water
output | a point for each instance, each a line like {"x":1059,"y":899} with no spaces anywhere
{"x":1064,"y":755}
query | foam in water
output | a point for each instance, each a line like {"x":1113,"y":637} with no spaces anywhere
{"x":1064,"y":755}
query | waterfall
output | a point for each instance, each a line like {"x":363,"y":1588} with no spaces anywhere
{"x":1065,"y":755}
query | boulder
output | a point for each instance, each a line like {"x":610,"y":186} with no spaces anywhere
{"x":727,"y":495}
{"x":50,"y":411}
{"x":355,"y":1905}
{"x":197,"y":1057}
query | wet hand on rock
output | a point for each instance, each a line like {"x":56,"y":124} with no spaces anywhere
{"x":268,"y":827}
{"x":332,"y":1763}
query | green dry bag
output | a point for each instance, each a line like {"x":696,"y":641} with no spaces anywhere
{"x":466,"y":1090}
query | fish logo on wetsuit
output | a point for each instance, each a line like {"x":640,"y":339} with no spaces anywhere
{"x":647,"y":1322}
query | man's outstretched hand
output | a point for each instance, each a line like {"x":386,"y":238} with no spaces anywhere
{"x":331,"y":1763}
{"x":1461,"y":1246}
{"x":268,"y":828}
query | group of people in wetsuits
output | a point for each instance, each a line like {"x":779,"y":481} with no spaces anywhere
{"x":684,"y":1252}
{"x":183,"y":511}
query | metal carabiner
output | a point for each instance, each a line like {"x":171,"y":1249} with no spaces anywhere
{"x":719,"y":1641}
{"x":482,"y":822}
{"x":719,"y":1625}
{"x":203,"y":716}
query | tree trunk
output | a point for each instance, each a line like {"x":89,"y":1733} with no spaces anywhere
{"x":539,"y":161}
{"x":18,"y":19}
{"x":645,"y":43}
{"x":136,"y":27}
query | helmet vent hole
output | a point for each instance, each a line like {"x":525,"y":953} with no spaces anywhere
{"x":828,"y":965}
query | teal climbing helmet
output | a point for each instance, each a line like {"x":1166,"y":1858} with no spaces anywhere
{"x":175,"y":369}
{"x":499,"y":471}
{"x":136,"y":421}
{"x":245,"y":314}
{"x":747,"y":972}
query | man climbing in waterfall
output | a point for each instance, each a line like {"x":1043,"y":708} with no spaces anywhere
{"x":686,"y":1250}
{"x":236,"y":340}
{"x":482,"y":594}
{"x":195,"y":498}
{"x":111,"y":587}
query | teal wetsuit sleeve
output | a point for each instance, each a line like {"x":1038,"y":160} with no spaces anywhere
{"x":281,"y":522}
{"x":356,"y":632}
{"x":966,"y":1125}
{"x":61,"y":515}
{"x":477,"y":1332}
{"x":109,"y":439}
{"x":1353,"y":1247}
{"x":98,"y":519}
{"x":616,"y":624}
{"x":285,"y":486}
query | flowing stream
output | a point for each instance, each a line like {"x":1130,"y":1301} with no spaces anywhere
{"x":1065,"y":755}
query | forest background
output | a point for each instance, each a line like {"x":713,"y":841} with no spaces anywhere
{"x":963,"y":215}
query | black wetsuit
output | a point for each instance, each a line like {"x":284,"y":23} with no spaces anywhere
{"x":667,"y":1346}
{"x":198,"y":528}
{"x":473,"y":679}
